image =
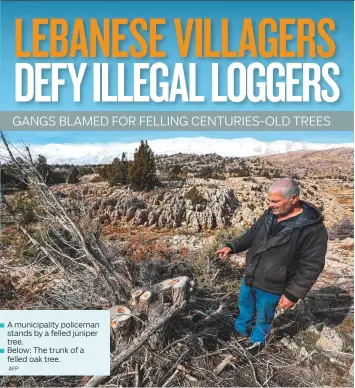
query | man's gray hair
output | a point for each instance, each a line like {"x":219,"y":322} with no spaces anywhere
{"x":287,"y":186}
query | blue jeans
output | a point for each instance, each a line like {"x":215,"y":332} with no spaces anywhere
{"x":256,"y":310}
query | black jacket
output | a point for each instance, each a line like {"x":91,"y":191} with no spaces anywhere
{"x":288,"y":262}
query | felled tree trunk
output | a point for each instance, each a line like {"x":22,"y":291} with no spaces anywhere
{"x":154,"y":307}
{"x":136,"y":344}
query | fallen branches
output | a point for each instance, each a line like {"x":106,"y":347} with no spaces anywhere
{"x":250,"y":363}
{"x":64,"y":238}
{"x":136,"y":344}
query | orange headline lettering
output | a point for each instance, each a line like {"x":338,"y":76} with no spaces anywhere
{"x":199,"y":37}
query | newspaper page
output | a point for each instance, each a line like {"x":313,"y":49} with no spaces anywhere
{"x":176,"y":193}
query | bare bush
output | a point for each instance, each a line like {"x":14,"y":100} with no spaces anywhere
{"x":70,"y":243}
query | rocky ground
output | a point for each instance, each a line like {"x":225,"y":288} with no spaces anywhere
{"x":335,"y":163}
{"x":233,"y":202}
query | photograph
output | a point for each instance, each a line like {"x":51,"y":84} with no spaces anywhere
{"x":156,"y":231}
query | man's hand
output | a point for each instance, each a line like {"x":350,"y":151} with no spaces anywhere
{"x":223,"y":253}
{"x":285,"y":303}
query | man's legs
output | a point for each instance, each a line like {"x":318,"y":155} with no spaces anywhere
{"x":266,"y":304}
{"x":247,"y":311}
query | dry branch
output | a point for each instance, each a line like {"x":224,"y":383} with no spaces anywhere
{"x":62,"y":237}
{"x":137,"y":343}
{"x":226,"y":361}
{"x":243,"y":351}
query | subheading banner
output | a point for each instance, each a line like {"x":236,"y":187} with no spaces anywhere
{"x":177,"y":120}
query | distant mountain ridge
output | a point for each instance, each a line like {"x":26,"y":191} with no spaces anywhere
{"x":100,"y":153}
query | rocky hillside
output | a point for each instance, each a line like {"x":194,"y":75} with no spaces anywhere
{"x":332,"y":164}
{"x":215,"y":166}
{"x":337,"y":163}
{"x":215,"y":192}
{"x":192,"y":207}
{"x":196,"y":205}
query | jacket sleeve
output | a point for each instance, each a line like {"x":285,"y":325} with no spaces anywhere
{"x":312,"y":261}
{"x":245,"y":241}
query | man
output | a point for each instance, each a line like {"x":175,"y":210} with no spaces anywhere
{"x":286,"y":254}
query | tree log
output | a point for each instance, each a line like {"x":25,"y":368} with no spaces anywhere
{"x":136,"y":344}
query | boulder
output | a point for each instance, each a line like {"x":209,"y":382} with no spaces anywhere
{"x":329,"y":340}
{"x":140,"y":217}
{"x":130,"y":213}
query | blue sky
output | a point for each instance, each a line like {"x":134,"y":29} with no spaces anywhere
{"x":45,"y":137}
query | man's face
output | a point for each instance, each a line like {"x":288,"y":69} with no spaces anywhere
{"x":280,"y":205}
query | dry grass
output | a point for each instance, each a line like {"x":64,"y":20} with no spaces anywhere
{"x":343,"y":196}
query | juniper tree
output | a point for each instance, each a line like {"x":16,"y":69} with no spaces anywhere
{"x":142,"y":172}
{"x":118,"y":171}
{"x":122,"y":173}
{"x":73,"y":176}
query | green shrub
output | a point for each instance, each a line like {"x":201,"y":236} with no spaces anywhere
{"x":73,"y":176}
{"x":142,"y":171}
{"x":195,"y":196}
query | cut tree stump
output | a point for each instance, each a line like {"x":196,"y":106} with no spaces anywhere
{"x":135,"y":296}
{"x":121,"y":322}
{"x":156,"y":305}
{"x":179,"y":290}
{"x":137,"y":342}
{"x":174,"y":290}
{"x":144,"y":301}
